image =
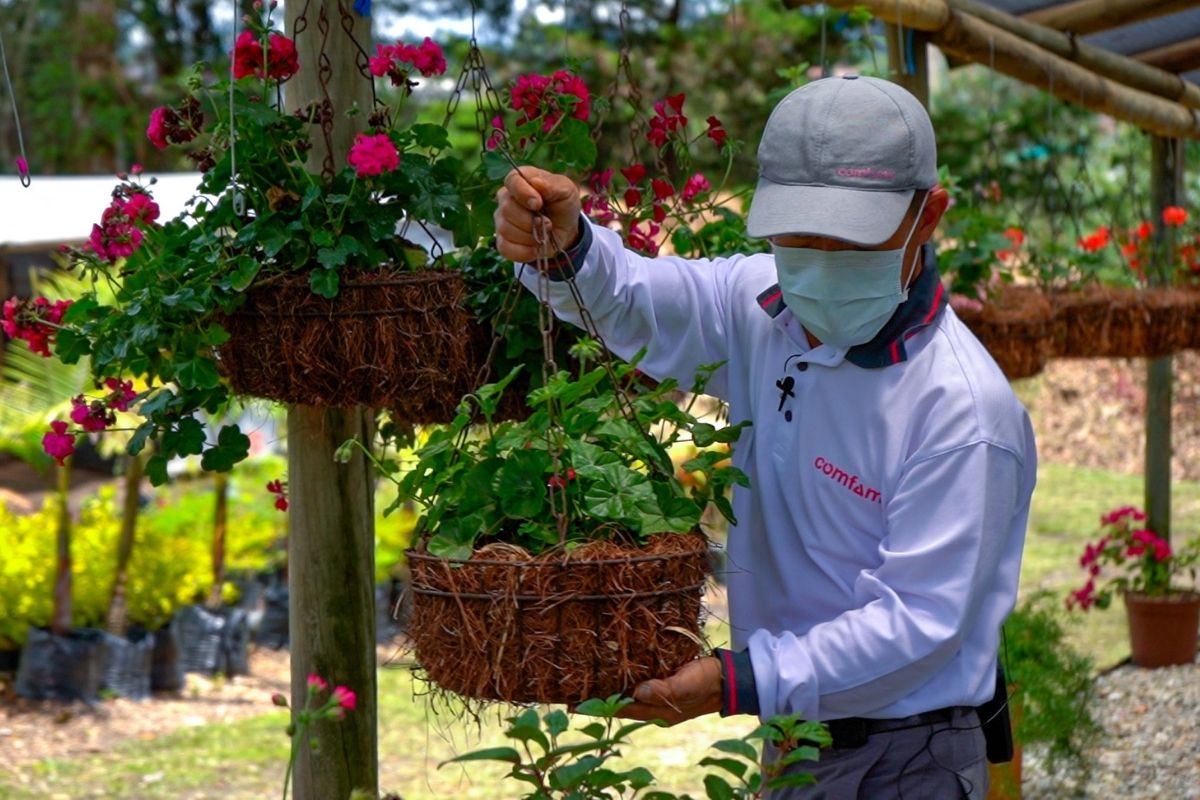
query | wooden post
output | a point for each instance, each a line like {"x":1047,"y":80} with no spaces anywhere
{"x":331,"y":506}
{"x":117,"y":604}
{"x":1166,"y":186}
{"x":908,"y":62}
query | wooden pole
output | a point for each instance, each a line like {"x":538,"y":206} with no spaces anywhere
{"x":116,"y":621}
{"x":1166,"y":186}
{"x":1131,"y":72}
{"x":908,"y":62}
{"x":1089,"y":16}
{"x":331,"y":559}
{"x":60,"y":620}
{"x":969,"y":38}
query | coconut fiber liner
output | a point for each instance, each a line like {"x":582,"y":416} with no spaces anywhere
{"x":560,"y":627}
{"x":1111,"y":322}
{"x":405,"y":342}
{"x":1014,"y":326}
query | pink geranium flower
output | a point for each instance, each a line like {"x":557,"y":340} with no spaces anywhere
{"x":57,"y":443}
{"x":373,"y":155}
{"x":345,"y":697}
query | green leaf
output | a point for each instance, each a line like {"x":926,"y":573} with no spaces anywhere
{"x":324,"y":282}
{"x":521,"y":483}
{"x":431,"y":136}
{"x":156,"y":469}
{"x":596,"y":730}
{"x":197,"y":373}
{"x":507,"y":754}
{"x":245,"y":270}
{"x":331,"y":257}
{"x":802,"y":753}
{"x":639,"y":778}
{"x":576,"y":149}
{"x":568,"y":776}
{"x":607,"y":707}
{"x":737,"y":747}
{"x":187,"y":439}
{"x":322,"y":238}
{"x":730,"y":765}
{"x":791,"y":779}
{"x":496,"y":166}
{"x":717,"y":788}
{"x":137,"y":442}
{"x":703,"y":434}
{"x":214,"y":335}
{"x":232,"y":447}
{"x":557,"y":722}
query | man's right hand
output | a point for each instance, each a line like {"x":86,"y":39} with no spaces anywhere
{"x":530,"y":197}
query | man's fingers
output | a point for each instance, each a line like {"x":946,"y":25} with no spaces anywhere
{"x":654,"y":691}
{"x":521,"y":191}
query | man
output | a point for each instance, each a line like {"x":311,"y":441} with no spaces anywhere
{"x":877,"y":551}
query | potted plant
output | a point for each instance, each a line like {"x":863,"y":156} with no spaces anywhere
{"x":559,"y":556}
{"x":280,"y":282}
{"x":1163,"y":611}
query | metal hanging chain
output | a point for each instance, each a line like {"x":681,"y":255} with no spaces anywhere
{"x":23,"y":163}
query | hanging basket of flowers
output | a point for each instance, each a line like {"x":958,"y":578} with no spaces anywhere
{"x":561,"y":556}
{"x":1123,"y":322}
{"x":404,"y":341}
{"x":1014,"y":326}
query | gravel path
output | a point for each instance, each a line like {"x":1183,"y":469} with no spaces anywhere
{"x":1150,"y":744}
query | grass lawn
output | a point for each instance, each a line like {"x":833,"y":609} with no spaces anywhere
{"x":246,"y":759}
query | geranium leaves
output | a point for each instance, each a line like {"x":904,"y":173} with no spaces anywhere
{"x":580,"y":448}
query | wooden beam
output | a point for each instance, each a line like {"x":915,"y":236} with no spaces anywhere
{"x":924,"y":15}
{"x":968,"y":37}
{"x":1123,"y":69}
{"x":1089,"y":16}
{"x":1176,"y":57}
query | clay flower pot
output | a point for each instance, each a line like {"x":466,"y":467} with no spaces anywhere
{"x":1162,"y":630}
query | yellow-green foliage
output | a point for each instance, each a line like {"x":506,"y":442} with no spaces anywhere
{"x":159,"y":572}
{"x":393,"y":535}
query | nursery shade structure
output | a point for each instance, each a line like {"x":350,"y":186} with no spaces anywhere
{"x":1135,"y":60}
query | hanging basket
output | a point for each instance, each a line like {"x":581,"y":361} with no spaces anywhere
{"x":558,"y":628}
{"x":405,"y":342}
{"x":1014,"y":326}
{"x":1116,"y":322}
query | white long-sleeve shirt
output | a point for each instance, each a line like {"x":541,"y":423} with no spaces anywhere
{"x":878,"y":548}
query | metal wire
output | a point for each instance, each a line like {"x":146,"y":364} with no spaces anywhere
{"x":12,"y":96}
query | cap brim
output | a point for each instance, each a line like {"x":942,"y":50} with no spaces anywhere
{"x":852,"y":215}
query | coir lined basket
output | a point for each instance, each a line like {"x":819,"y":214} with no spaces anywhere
{"x":562,"y":627}
{"x":1015,"y":327}
{"x":404,"y":342}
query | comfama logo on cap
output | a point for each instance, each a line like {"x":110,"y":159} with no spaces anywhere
{"x":870,"y":173}
{"x":851,"y":482}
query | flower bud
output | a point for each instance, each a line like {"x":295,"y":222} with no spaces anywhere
{"x":279,"y":700}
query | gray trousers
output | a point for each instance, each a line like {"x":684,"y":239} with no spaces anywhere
{"x":939,"y":761}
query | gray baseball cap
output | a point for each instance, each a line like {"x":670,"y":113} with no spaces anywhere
{"x":842,"y":157}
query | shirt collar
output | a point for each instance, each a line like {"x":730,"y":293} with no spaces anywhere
{"x":926,"y":299}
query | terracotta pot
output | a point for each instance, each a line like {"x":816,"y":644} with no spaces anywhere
{"x":1162,"y":630}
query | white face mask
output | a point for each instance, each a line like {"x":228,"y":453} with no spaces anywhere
{"x":843,"y":297}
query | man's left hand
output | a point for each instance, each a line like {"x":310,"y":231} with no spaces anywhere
{"x":694,"y":690}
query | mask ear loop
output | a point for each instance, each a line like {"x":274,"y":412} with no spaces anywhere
{"x":904,"y":248}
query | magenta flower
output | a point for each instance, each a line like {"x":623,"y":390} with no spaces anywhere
{"x":316,"y":683}
{"x":695,"y":186}
{"x":373,"y":155}
{"x":57,"y":443}
{"x":121,"y":393}
{"x":345,"y":697}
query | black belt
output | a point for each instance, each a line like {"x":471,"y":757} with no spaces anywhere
{"x":851,"y":732}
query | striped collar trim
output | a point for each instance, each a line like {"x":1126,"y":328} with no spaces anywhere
{"x":926,"y":299}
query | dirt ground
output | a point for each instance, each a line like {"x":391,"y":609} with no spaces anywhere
{"x":1087,"y":413}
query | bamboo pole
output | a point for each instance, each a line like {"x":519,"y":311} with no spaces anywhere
{"x":1129,"y":71}
{"x":331,"y":553}
{"x":1177,"y":57}
{"x":969,"y":38}
{"x":1089,"y":16}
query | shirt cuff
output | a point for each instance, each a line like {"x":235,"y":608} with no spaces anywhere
{"x":740,"y":695}
{"x":564,"y":265}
